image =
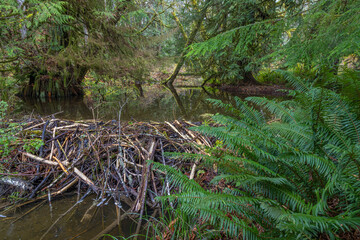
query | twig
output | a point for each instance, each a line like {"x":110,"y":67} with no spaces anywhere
{"x":63,"y":215}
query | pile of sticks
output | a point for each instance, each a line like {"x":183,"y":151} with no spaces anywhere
{"x":107,"y":158}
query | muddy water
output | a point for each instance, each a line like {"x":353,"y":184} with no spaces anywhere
{"x":36,"y":223}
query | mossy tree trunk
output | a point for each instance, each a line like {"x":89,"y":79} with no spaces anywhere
{"x":246,"y":76}
{"x":47,"y":84}
{"x":190,"y":40}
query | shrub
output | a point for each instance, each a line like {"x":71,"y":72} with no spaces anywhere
{"x":269,"y":76}
{"x":295,"y":176}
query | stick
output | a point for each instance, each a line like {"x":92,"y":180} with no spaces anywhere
{"x":83,"y":177}
{"x":73,"y":125}
{"x":110,"y":227}
{"x":193,"y":169}
{"x":174,"y":128}
{"x":52,"y":144}
{"x":61,"y":165}
{"x":76,"y":171}
{"x":63,"y":215}
{"x":167,"y":187}
{"x":32,"y":209}
{"x":40,"y":159}
{"x":139,"y":203}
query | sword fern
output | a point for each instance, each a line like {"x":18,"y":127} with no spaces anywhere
{"x":294,"y":177}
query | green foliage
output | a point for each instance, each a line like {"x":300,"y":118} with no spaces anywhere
{"x":244,"y":35}
{"x":325,"y":33}
{"x":15,"y":197}
{"x":239,"y":34}
{"x":50,"y":45}
{"x":295,"y":176}
{"x":345,"y":82}
{"x":20,"y":26}
{"x":6,"y":132}
{"x":175,"y":224}
{"x":10,"y":138}
{"x":8,"y":89}
{"x":268,"y":76}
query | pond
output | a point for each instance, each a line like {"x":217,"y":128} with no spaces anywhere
{"x":158,"y":104}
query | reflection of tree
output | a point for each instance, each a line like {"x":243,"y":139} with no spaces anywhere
{"x":71,"y":108}
{"x":139,"y":88}
{"x":217,"y":93}
{"x":194,"y":103}
{"x":177,"y":99}
{"x":156,"y":105}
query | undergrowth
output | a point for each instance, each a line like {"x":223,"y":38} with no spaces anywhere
{"x":295,"y":176}
{"x":10,"y":138}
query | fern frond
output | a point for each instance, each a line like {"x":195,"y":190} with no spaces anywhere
{"x":224,"y":106}
{"x":284,"y":175}
{"x":323,"y":224}
{"x":298,"y":83}
{"x":324,"y":166}
{"x":232,"y":226}
{"x":178,"y":179}
{"x":300,"y":136}
{"x":280,"y":110}
{"x":244,"y":179}
{"x":285,"y":196}
{"x":252,"y":115}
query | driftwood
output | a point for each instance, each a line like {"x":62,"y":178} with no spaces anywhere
{"x":109,"y":158}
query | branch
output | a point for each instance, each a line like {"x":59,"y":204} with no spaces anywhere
{"x":180,"y":25}
{"x":9,"y":60}
{"x":151,"y":20}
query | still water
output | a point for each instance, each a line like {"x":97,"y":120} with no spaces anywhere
{"x":157,"y":104}
{"x":81,"y":222}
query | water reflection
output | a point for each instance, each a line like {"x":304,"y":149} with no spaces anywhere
{"x":68,"y":108}
{"x":83,"y":221}
{"x":178,"y":100}
{"x":158,"y":103}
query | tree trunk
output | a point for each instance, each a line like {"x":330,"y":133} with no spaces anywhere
{"x":190,"y":40}
{"x":246,"y":75}
{"x":41,"y":85}
{"x":138,"y":86}
{"x":249,"y":79}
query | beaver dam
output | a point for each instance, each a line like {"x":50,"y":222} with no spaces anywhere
{"x":112,"y":160}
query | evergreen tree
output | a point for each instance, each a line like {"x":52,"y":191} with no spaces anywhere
{"x":52,"y":44}
{"x":245,"y":35}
